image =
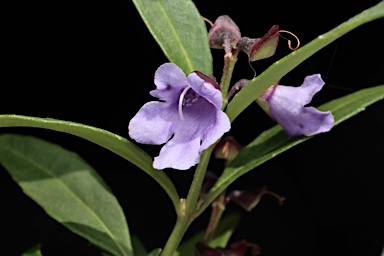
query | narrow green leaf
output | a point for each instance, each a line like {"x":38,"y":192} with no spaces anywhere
{"x":225,"y":230}
{"x":275,"y":141}
{"x":68,"y":189}
{"x":280,"y":68}
{"x":34,"y":251}
{"x":220,"y":237}
{"x":180,"y":31}
{"x":155,"y":252}
{"x":108,"y":140}
{"x":138,"y":247}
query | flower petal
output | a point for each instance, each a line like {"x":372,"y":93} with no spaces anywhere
{"x":304,"y":93}
{"x":287,"y":108}
{"x":179,"y":153}
{"x":203,"y":124}
{"x":206,"y":90}
{"x":169,"y":80}
{"x":220,"y":126}
{"x":152,"y":124}
{"x":308,"y":122}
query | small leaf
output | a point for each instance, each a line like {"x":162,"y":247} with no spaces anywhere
{"x":34,"y":251}
{"x":225,"y":230}
{"x":108,"y":140}
{"x":274,"y":141}
{"x":180,"y":31}
{"x":68,"y":189}
{"x":138,"y":247}
{"x":220,"y":237}
{"x":276,"y":71}
{"x":155,"y":252}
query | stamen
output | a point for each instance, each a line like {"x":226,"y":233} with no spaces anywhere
{"x":181,"y":99}
{"x":207,"y":20}
{"x":289,"y":41}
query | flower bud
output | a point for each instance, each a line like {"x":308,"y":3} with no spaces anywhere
{"x":248,"y":199}
{"x":227,"y":149}
{"x":260,"y":48}
{"x":286,"y":105}
{"x":224,"y":34}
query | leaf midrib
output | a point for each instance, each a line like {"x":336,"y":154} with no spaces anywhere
{"x":95,"y":216}
{"x":176,"y":36}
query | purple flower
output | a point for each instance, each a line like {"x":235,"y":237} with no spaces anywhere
{"x":188,"y":118}
{"x":285,"y":104}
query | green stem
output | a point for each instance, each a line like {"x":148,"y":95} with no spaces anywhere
{"x":218,"y":208}
{"x":188,"y":206}
{"x":182,"y":224}
{"x":230,"y":60}
{"x":197,"y":182}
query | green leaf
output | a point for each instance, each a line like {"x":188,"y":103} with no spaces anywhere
{"x":138,"y":247}
{"x":108,"y":140}
{"x":34,"y":251}
{"x":155,"y":252}
{"x":280,"y":68}
{"x":225,"y":230}
{"x":180,"y":31}
{"x":68,"y":189}
{"x":274,"y":141}
{"x":220,"y":237}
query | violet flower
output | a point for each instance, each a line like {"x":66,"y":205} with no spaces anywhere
{"x":188,"y":118}
{"x":285,"y":104}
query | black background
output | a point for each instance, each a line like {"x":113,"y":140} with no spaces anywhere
{"x":93,"y":62}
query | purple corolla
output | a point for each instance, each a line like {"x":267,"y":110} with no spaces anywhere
{"x":285,"y":104}
{"x":188,"y":119}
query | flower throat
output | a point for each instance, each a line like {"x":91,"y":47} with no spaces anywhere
{"x":187,"y":97}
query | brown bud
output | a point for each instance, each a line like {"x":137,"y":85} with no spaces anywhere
{"x":260,"y":48}
{"x":227,"y":149}
{"x":224,"y":34}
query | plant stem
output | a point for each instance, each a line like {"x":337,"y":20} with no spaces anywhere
{"x":182,"y":224}
{"x":197,"y":182}
{"x":188,"y":206}
{"x":230,"y":60}
{"x":218,"y":208}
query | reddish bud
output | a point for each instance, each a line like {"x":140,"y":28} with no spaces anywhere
{"x":250,"y":199}
{"x":260,"y":48}
{"x":227,"y":149}
{"x":224,"y":34}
